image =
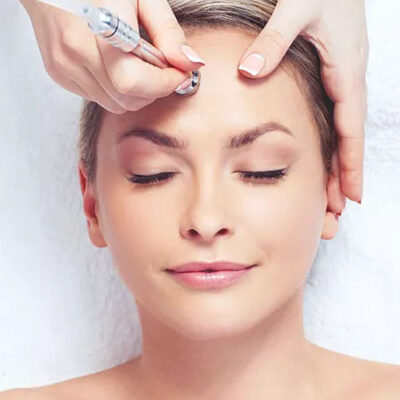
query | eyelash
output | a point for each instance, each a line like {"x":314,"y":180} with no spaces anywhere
{"x":164,"y":176}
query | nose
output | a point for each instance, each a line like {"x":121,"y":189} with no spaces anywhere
{"x":204,"y":221}
{"x":204,"y":235}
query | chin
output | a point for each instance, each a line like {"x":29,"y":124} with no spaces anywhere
{"x":211,"y":325}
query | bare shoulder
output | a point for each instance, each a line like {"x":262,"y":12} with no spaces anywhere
{"x":113,"y":383}
{"x":355,"y":378}
{"x":21,"y":394}
{"x":34,"y":393}
{"x":385,"y":382}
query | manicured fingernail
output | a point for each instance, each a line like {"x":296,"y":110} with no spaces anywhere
{"x":191,"y":54}
{"x":253,"y":64}
{"x":184,"y":84}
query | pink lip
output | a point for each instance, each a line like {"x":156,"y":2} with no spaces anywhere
{"x":216,"y":266}
{"x":211,"y":280}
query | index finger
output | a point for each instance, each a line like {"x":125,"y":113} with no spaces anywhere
{"x":130,"y":75}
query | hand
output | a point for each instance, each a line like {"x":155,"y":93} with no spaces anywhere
{"x":337,"y":28}
{"x":88,"y":66}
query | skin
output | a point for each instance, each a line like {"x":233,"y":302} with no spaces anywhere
{"x":93,"y":69}
{"x":276,"y":225}
{"x":245,"y":341}
{"x":338,"y":31}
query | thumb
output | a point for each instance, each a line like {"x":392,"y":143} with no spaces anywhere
{"x":167,"y":35}
{"x":272,"y":43}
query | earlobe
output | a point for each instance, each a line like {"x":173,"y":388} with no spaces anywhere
{"x":89,"y":208}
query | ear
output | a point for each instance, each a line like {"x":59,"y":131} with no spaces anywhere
{"x":336,"y":201}
{"x":90,"y":208}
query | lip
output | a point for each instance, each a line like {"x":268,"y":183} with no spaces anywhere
{"x":211,"y":280}
{"x":215,"y":266}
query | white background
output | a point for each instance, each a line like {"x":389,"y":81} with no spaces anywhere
{"x":64,"y":312}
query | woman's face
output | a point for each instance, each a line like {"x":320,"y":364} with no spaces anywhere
{"x":207,"y":211}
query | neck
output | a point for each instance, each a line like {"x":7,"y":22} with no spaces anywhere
{"x":271,"y":360}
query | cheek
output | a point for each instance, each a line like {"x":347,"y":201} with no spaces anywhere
{"x":131,"y":229}
{"x":286,"y":221}
{"x":281,"y":222}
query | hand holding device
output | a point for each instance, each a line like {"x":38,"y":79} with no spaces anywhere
{"x":88,"y":66}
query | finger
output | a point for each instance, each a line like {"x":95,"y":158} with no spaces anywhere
{"x":349,"y":117}
{"x":89,"y":56}
{"x":344,"y":81}
{"x":336,"y":198}
{"x":132,"y":76}
{"x":72,"y":86}
{"x":90,"y":85}
{"x":166,"y":34}
{"x":272,"y":43}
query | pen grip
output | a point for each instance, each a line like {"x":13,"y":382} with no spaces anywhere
{"x":120,"y":34}
{"x":151,"y":54}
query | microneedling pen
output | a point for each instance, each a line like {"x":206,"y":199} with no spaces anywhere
{"x":121,"y":35}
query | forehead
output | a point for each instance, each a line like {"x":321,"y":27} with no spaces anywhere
{"x":226,"y":101}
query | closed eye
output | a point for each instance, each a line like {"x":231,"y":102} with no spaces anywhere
{"x":268,"y":176}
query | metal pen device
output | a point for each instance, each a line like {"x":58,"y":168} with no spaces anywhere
{"x":120,"y":34}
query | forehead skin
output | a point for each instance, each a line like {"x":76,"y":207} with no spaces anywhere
{"x":226,"y":103}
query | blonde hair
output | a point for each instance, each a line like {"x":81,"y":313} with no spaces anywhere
{"x":249,"y":16}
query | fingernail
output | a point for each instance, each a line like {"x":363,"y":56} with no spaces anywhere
{"x":253,"y":64}
{"x":191,"y":54}
{"x":359,"y":201}
{"x":184,"y":84}
{"x":337,"y":216}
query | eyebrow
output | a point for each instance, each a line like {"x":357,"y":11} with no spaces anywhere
{"x":234,"y":142}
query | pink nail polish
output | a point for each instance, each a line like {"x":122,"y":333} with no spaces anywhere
{"x":192,"y":55}
{"x":184,"y":84}
{"x":253,"y":64}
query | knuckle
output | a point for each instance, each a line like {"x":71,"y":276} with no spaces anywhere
{"x":275,"y":38}
{"x":167,"y":87}
{"x":174,"y":29}
{"x":169,"y":26}
{"x":71,"y":44}
{"x":138,"y":104}
{"x":135,"y":107}
{"x":68,"y":37}
{"x":55,"y":64}
{"x":352,"y":78}
{"x":164,"y":85}
{"x":358,"y":78}
{"x":123,"y":86}
{"x":127,"y":103}
{"x":113,"y":109}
